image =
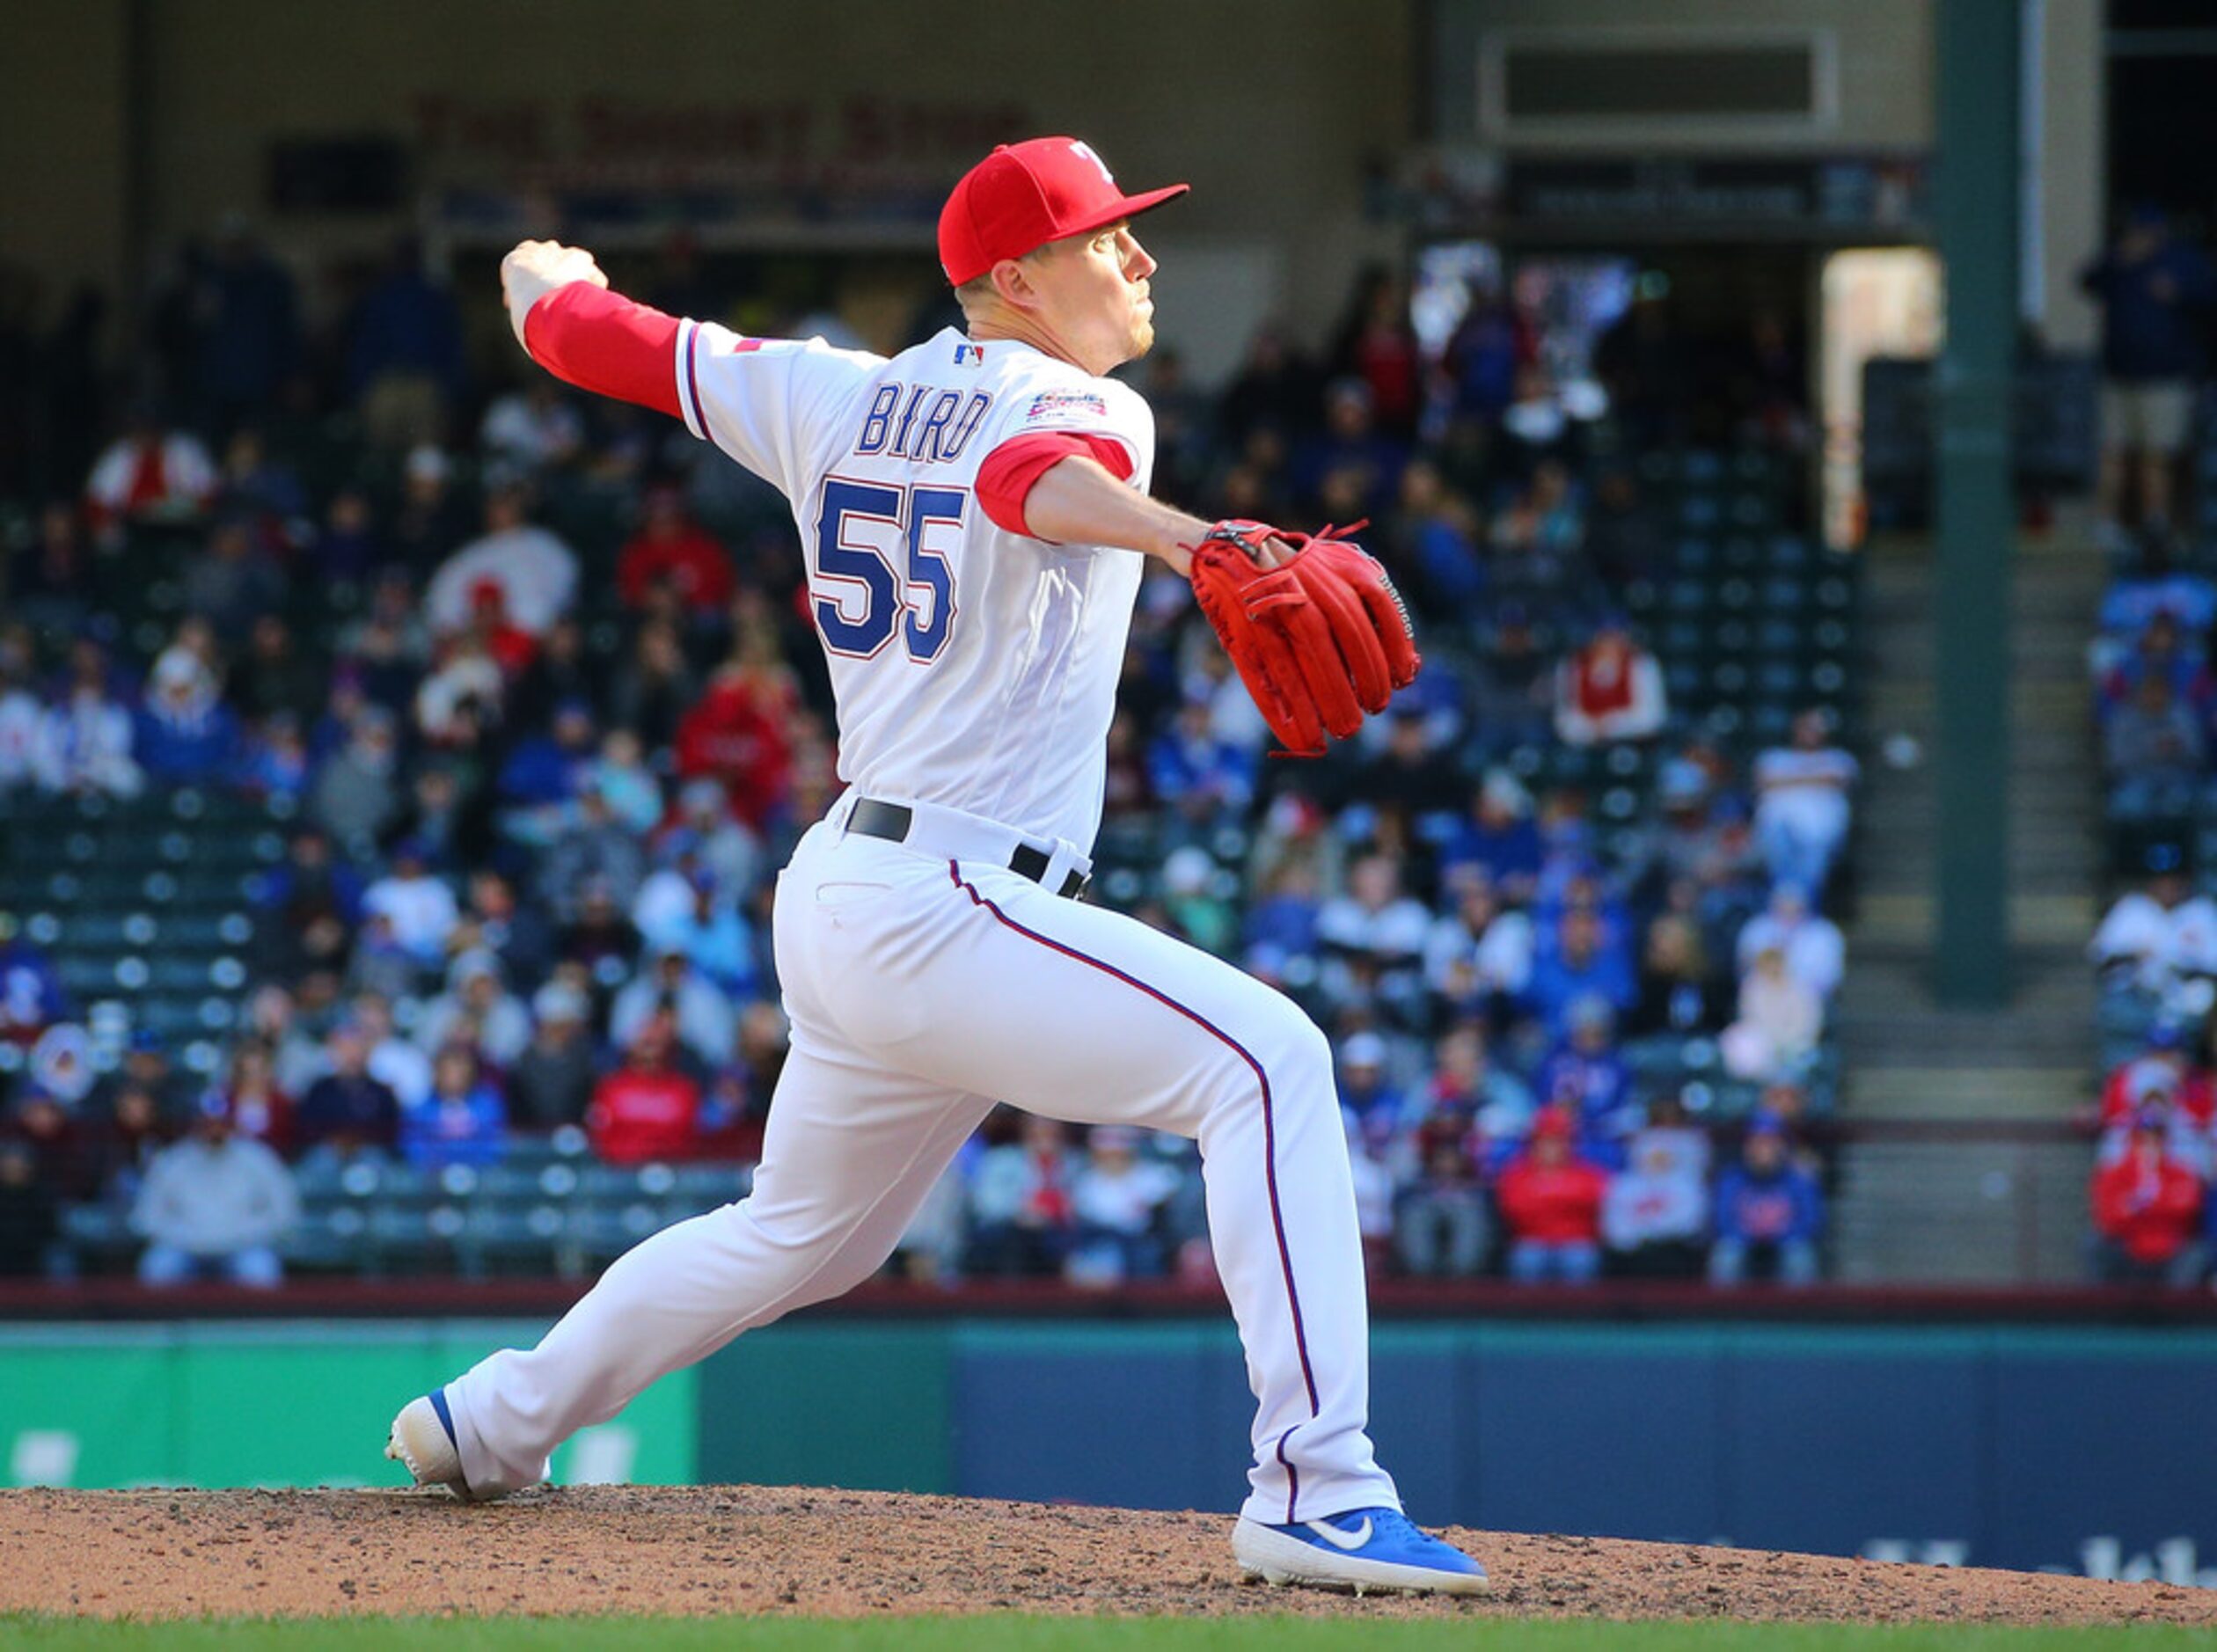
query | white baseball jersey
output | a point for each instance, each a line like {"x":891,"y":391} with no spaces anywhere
{"x":973,"y":667}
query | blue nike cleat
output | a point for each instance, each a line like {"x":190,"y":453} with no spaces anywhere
{"x":1362,"y":1549}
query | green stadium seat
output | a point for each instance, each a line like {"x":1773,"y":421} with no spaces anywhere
{"x":506,"y":1236}
{"x":600,"y":1230}
{"x":706,"y":1186}
{"x":411,"y":1236}
{"x":612,"y":1183}
{"x":1778,"y":635}
{"x":1785,"y":593}
{"x":328,"y":1238}
{"x":1729,"y":637}
{"x":1693,"y":554}
{"x":1750,"y":512}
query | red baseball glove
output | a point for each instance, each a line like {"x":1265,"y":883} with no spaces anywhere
{"x":1319,"y":641}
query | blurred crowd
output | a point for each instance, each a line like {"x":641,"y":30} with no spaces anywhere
{"x":2155,"y":715}
{"x":529,"y":682}
{"x":2155,"y":955}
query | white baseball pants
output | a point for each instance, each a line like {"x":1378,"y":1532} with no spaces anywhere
{"x":922,"y":989}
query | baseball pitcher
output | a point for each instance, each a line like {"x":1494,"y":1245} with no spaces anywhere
{"x":975,"y":516}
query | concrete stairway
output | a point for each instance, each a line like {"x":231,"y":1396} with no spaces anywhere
{"x":1996,"y":1210}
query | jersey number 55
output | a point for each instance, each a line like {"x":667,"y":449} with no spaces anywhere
{"x":864,"y":532}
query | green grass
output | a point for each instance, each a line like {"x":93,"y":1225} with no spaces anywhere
{"x":1042,"y":1635}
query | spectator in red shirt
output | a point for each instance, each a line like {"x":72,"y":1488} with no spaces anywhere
{"x":1023,"y":1217}
{"x":46,"y":1129}
{"x":1550,"y":1202}
{"x":2147,"y":1213}
{"x":510,"y":647}
{"x":671,"y":546}
{"x":1610,"y":690}
{"x":2158,"y":1073}
{"x":646,"y":1109}
{"x":258,"y":1107}
{"x":736,"y":734}
{"x":151,"y":474}
{"x":1377,"y":344}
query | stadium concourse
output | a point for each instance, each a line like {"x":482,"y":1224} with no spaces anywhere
{"x":387,"y":819}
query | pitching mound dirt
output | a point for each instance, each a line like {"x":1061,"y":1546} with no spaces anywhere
{"x":749,"y":1549}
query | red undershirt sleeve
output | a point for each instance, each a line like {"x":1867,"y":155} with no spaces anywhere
{"x":1011,"y":468}
{"x":598,"y":341}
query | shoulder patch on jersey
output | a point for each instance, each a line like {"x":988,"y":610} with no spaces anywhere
{"x":1059,"y":403}
{"x":1062,"y":402}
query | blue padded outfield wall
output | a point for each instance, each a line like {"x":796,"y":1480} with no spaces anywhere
{"x":2090,"y":1449}
{"x":2070,"y":1449}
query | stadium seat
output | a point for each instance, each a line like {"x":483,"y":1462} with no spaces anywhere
{"x":502,"y":1236}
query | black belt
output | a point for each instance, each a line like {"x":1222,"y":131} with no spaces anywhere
{"x":892,"y":821}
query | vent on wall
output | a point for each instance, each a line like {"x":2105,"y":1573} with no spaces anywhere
{"x":1535,"y":82}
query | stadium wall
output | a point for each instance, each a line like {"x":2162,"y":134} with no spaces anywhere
{"x":1271,"y":113}
{"x":288,"y":1403}
{"x":1276,"y":114}
{"x":2072,"y":1448}
{"x":63,"y":199}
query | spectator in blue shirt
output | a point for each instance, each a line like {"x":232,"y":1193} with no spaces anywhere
{"x":462,"y":1122}
{"x":1365,"y":1093}
{"x":545,"y":774}
{"x":1499,"y":838}
{"x":1353,"y":463}
{"x":1575,"y":882}
{"x":1284,"y":919}
{"x":715,"y":939}
{"x":186,"y":734}
{"x":1206,"y":778}
{"x":248,"y":330}
{"x":31,"y":995}
{"x":404,"y":364}
{"x":2162,"y":653}
{"x":1586,"y":1075}
{"x":1769,"y":1213}
{"x":2155,"y":294}
{"x":1579,"y":966}
{"x":310,"y":883}
{"x":1439,"y":545}
{"x":347,"y":1111}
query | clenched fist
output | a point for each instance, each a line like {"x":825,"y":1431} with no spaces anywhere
{"x":536,"y":268}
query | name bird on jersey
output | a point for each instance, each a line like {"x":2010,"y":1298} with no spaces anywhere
{"x":975,"y":514}
{"x":973,"y":667}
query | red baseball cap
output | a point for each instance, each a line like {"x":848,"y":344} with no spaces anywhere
{"x":1024,"y":195}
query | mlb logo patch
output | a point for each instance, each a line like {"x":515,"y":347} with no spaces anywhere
{"x":969,"y":355}
{"x":1050,"y":403}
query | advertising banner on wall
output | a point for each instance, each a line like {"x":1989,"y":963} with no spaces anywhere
{"x":288,"y":1404}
